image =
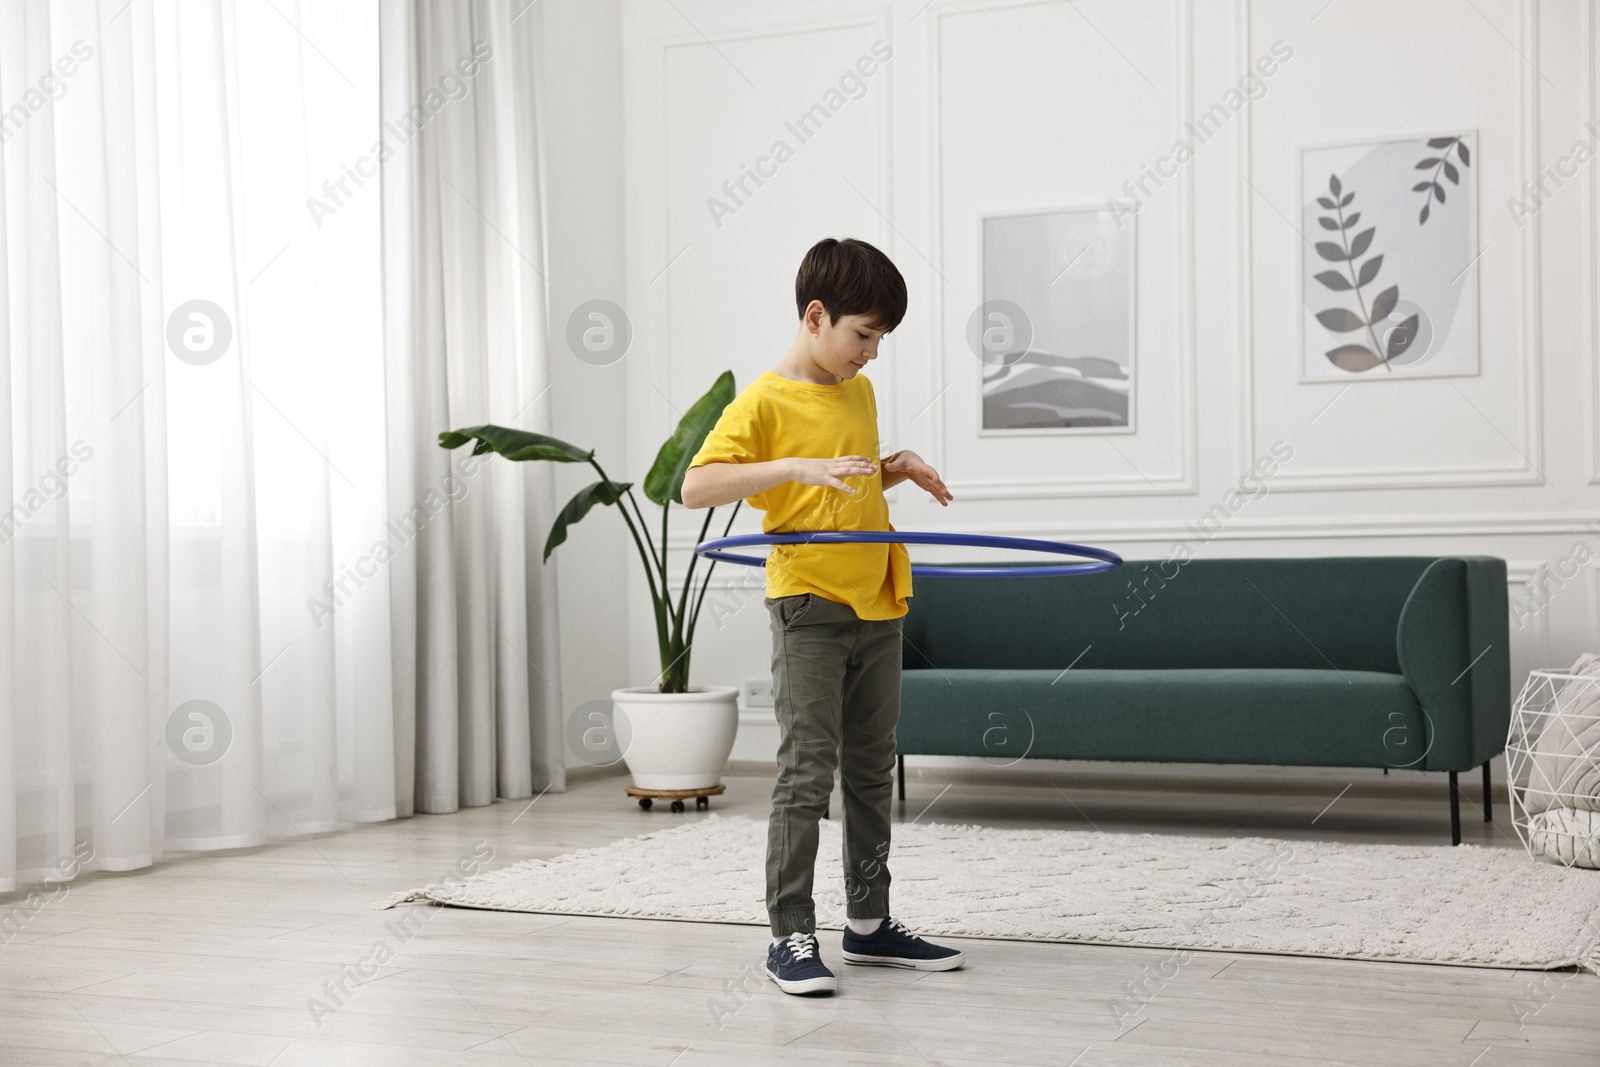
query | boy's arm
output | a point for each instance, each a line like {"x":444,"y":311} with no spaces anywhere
{"x":906,"y":464}
{"x":892,"y":477}
{"x":712,"y":485}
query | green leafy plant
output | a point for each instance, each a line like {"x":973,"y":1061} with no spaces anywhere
{"x":675,"y":623}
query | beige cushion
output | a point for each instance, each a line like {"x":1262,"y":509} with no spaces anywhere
{"x":1567,"y":835}
{"x":1564,"y":771}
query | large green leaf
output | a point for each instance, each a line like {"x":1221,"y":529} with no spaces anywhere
{"x":605,"y":492}
{"x":514,"y":444}
{"x":665,"y":480}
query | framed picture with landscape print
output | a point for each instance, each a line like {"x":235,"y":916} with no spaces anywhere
{"x":1054,"y":332}
{"x":1390,"y":240}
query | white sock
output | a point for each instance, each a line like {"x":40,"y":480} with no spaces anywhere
{"x":864,"y":927}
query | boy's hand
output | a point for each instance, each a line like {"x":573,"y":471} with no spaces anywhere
{"x":908,"y":464}
{"x":830,"y":472}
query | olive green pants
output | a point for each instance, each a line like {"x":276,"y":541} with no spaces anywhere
{"x":836,"y":692}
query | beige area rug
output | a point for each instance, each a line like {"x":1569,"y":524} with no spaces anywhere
{"x":1468,"y":905}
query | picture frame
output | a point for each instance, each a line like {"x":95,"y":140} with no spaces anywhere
{"x":1072,"y":271}
{"x":1422,"y":280}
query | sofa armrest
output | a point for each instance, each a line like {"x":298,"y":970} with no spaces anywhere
{"x":1453,"y":644}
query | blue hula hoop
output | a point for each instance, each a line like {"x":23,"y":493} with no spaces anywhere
{"x":1099,"y":560}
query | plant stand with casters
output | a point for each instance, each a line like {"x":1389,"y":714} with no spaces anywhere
{"x":702,"y":797}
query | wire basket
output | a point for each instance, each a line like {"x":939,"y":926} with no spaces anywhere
{"x":1553,"y":767}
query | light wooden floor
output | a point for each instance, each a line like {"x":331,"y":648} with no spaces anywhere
{"x":213,"y":958}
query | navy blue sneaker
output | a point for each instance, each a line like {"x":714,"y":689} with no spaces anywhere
{"x":892,"y":945}
{"x":793,"y":964}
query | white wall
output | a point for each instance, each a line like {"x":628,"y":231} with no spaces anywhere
{"x":581,"y":78}
{"x":997,"y":106}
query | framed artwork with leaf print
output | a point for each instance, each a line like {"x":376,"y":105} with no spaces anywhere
{"x":1388,"y":260}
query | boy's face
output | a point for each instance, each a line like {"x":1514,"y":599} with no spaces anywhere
{"x":843,"y":348}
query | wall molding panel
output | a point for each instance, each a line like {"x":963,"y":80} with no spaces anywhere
{"x":1529,"y":471}
{"x":1184,"y":479}
{"x":660,"y":283}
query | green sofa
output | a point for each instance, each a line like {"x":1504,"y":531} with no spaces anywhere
{"x":1377,"y":661}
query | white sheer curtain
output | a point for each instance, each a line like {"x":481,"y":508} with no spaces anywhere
{"x":477,"y":689}
{"x":195,"y":642}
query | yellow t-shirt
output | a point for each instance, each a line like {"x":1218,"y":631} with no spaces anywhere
{"x":778,"y":418}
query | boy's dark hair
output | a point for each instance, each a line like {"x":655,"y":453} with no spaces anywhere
{"x":851,"y":277}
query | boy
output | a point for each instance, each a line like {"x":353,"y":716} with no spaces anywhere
{"x":801,"y":444}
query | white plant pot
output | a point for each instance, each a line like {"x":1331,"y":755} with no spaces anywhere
{"x":676,"y":740}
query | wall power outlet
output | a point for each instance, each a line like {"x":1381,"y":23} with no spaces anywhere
{"x":756,"y":692}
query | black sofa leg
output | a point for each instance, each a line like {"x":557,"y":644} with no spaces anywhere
{"x":900,"y":773}
{"x":1455,"y":810}
{"x":1487,"y":792}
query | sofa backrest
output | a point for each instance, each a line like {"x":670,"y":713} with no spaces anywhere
{"x":1308,"y":612}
